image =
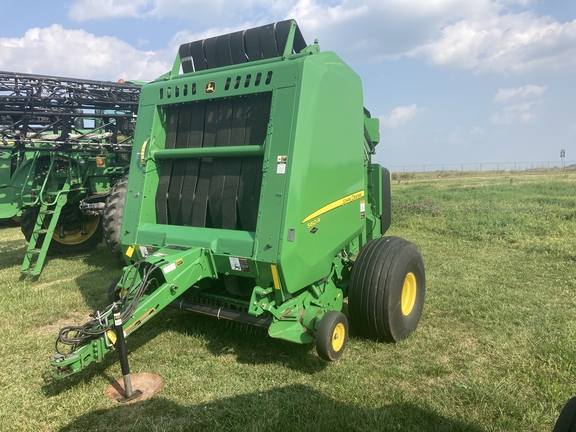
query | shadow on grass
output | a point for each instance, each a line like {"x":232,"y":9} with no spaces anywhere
{"x":291,"y":408}
{"x":12,"y":253}
{"x":248,"y":345}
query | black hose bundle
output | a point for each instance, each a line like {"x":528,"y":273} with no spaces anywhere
{"x":76,"y":336}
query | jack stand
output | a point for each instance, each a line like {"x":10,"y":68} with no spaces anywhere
{"x":150,"y":383}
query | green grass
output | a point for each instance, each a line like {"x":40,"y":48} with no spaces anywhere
{"x":495,"y":349}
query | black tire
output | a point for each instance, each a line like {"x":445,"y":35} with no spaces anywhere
{"x":567,"y":419}
{"x":387,"y":288}
{"x":112,"y":221}
{"x":332,"y":335}
{"x":81,"y":232}
{"x":114,"y":290}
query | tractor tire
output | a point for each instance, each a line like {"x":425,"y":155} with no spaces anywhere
{"x":74,"y":233}
{"x":332,"y":335}
{"x":567,"y":419}
{"x":112,"y":221}
{"x":386,"y":291}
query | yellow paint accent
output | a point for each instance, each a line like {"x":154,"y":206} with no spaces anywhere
{"x":142,"y":157}
{"x":338,"y":336}
{"x":130,"y":251}
{"x":139,"y":322}
{"x":409,"y":290}
{"x":275,"y":276}
{"x":112,"y":336}
{"x":335,"y":204}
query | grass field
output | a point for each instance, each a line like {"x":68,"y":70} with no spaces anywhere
{"x":495,"y":349}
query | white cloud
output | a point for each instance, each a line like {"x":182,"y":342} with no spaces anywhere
{"x":510,"y":43}
{"x":503,"y":36}
{"x":79,"y":54}
{"x":504,"y":95}
{"x":512,"y":114}
{"x":399,"y":116}
{"x":86,"y":10}
{"x":216,"y":13}
{"x":477,"y":131}
{"x":518,"y":109}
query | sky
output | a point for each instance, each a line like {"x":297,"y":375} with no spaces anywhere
{"x":452,"y":81}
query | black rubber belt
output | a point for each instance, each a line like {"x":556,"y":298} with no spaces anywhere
{"x":166,"y":172}
{"x":224,"y":126}
{"x":234,"y":166}
{"x":252,"y":43}
{"x":257,"y":117}
{"x":237,"y":49}
{"x":197,"y":53}
{"x":200,"y":205}
{"x":195,"y":138}
{"x":268,"y":41}
{"x":186,"y":58}
{"x":179,"y":167}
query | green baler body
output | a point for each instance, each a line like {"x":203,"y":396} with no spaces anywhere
{"x":250,"y":188}
{"x":313,"y":156}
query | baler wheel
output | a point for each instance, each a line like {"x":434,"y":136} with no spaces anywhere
{"x":112,"y":220}
{"x":332,"y":335}
{"x":386,"y":291}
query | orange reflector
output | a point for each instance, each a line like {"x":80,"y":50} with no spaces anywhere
{"x":100,"y":162}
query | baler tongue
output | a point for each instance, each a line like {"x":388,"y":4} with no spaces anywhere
{"x":145,"y":288}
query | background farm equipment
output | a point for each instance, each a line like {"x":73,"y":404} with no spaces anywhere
{"x":252,"y":197}
{"x":63,"y":144}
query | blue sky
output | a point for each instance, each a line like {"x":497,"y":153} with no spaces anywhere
{"x":452,"y":81}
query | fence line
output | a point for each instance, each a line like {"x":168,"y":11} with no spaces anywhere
{"x":488,"y":166}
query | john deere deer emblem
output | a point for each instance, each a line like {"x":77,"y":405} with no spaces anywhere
{"x":210,"y":87}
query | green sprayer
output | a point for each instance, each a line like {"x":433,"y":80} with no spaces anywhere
{"x":252,"y":198}
{"x":64,"y":143}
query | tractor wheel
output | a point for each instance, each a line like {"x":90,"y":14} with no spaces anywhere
{"x":567,"y":420}
{"x":74,"y":233}
{"x":332,"y":335}
{"x":114,"y":290}
{"x":113,"y":217}
{"x":386,"y":291}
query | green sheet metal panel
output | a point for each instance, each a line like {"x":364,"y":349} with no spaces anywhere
{"x":325,"y":171}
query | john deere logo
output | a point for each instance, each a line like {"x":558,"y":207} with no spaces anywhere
{"x":210,"y":87}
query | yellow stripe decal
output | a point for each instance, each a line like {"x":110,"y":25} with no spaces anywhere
{"x":275,"y":276}
{"x":143,"y":152}
{"x":335,"y":204}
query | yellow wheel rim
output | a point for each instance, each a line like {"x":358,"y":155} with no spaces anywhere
{"x":73,"y":234}
{"x":338,"y":336}
{"x":408,"y":293}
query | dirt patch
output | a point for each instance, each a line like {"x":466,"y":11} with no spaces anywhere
{"x":78,"y":318}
